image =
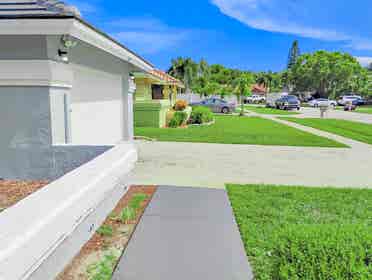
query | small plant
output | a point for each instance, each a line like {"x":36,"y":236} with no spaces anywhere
{"x":200,"y":115}
{"x":179,"y":118}
{"x":180,"y":105}
{"x":105,"y":230}
{"x":103,"y":270}
{"x":136,"y":201}
{"x":127,"y":214}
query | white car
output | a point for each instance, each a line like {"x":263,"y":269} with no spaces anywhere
{"x":255,"y":99}
{"x":317,"y":102}
{"x":350,"y":98}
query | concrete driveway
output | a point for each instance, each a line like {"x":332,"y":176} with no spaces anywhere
{"x":214,"y":165}
{"x":335,"y":114}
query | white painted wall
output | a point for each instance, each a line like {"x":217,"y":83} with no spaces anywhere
{"x":37,"y":226}
{"x":96,"y":107}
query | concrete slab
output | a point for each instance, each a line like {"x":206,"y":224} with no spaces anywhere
{"x":186,"y":233}
{"x":214,"y":165}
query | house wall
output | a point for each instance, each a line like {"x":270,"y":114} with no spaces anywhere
{"x":97,"y":96}
{"x":35,"y":121}
{"x":143,"y":91}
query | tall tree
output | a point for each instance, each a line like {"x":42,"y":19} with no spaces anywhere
{"x":370,"y":67}
{"x":294,"y":54}
{"x":328,"y":73}
{"x":186,"y":70}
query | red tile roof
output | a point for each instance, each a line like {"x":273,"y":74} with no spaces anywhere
{"x":259,"y":88}
{"x":166,"y":77}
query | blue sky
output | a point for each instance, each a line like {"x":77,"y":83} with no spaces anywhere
{"x":246,"y":34}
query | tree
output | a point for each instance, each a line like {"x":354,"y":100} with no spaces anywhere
{"x":186,"y":70}
{"x":293,"y":55}
{"x":370,"y":67}
{"x":327,"y":73}
{"x":243,"y":87}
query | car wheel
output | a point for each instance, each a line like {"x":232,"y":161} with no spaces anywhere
{"x":225,"y":110}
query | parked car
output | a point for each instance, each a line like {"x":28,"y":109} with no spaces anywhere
{"x":271,"y":98}
{"x":255,"y":99}
{"x":216,"y":105}
{"x":316,"y":102}
{"x":288,"y":102}
{"x":355,"y":99}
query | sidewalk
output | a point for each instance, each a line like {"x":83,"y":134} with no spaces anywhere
{"x":186,"y":233}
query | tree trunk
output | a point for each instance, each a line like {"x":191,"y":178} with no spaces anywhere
{"x":241,"y":105}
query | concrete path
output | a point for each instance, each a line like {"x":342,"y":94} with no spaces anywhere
{"x":335,"y":114}
{"x":186,"y":233}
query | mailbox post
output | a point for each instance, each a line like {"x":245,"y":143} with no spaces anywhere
{"x":323,"y":106}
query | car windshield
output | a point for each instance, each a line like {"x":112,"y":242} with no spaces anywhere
{"x":291,"y":98}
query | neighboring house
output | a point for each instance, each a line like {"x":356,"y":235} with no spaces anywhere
{"x":65,"y":90}
{"x":156,"y":93}
{"x":259,"y":89}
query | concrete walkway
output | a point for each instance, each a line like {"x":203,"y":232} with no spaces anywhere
{"x":335,"y":114}
{"x":186,"y":233}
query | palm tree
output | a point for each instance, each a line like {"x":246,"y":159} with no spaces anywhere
{"x":243,"y":87}
{"x":184,"y":70}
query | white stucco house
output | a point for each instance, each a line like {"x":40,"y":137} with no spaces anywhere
{"x":65,"y":89}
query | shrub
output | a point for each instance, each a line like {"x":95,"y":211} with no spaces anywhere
{"x":136,"y":201}
{"x":103,"y":270}
{"x":180,"y":105}
{"x":323,"y":252}
{"x":200,"y":115}
{"x":105,"y":230}
{"x":179,"y":118}
{"x":127,"y":214}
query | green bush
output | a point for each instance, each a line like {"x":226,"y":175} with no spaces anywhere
{"x":127,"y":214}
{"x":136,"y":201}
{"x":179,"y":118}
{"x":323,"y":252}
{"x":200,"y":115}
{"x":105,"y":230}
{"x":103,"y":269}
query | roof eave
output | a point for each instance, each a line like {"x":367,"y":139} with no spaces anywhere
{"x":74,"y":26}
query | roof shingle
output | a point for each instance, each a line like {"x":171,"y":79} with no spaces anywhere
{"x":29,"y":8}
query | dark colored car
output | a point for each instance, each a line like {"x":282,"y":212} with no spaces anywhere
{"x":216,"y":105}
{"x":288,"y":102}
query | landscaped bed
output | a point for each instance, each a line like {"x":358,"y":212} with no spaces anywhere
{"x":100,"y":255}
{"x":239,"y":130}
{"x":305,"y":233}
{"x":13,"y":191}
{"x":350,"y":129}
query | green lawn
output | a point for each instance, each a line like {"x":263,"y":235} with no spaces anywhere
{"x":239,"y":130}
{"x":305,"y":233}
{"x":354,"y":130}
{"x":269,"y":111}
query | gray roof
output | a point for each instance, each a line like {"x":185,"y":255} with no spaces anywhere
{"x":36,"y":8}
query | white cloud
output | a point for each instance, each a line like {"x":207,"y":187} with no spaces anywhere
{"x":291,"y":17}
{"x":147,"y":35}
{"x":364,"y":60}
